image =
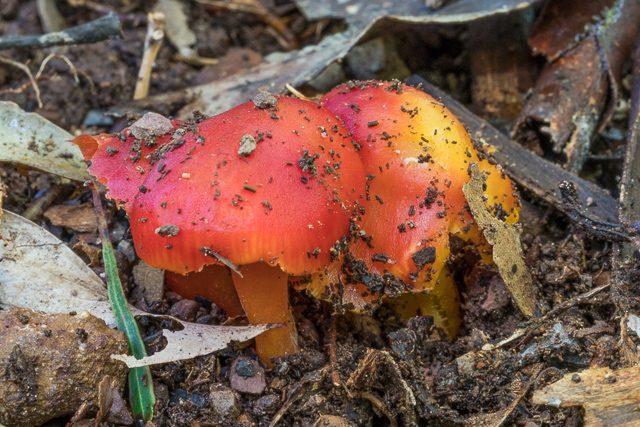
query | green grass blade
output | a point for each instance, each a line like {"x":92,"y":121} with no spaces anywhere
{"x":140,"y":382}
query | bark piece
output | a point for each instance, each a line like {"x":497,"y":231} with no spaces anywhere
{"x":609,"y":398}
{"x":560,"y":22}
{"x":623,"y":289}
{"x":576,"y":93}
{"x":566,"y":104}
{"x":502,"y":67}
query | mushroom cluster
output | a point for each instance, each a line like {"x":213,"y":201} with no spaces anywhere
{"x":359,"y":195}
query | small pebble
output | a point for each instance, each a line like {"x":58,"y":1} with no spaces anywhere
{"x":251,"y":385}
{"x":185,"y":309}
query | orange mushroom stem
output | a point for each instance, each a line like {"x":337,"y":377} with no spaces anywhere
{"x":268,"y":186}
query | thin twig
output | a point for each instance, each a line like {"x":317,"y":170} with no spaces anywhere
{"x":26,"y":85}
{"x":152,"y":43}
{"x":35,"y":209}
{"x":378,"y":404}
{"x":65,"y":59}
{"x":333,"y":359}
{"x":536,"y":323}
{"x":104,"y":28}
{"x":296,"y":92}
{"x":24,"y":68}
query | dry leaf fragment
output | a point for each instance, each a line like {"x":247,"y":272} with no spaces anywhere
{"x":106,"y":389}
{"x":31,"y":140}
{"x":505,"y":239}
{"x":609,"y":398}
{"x":81,"y":218}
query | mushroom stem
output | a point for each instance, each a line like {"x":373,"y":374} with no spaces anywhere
{"x":442,"y":302}
{"x":213,"y":282}
{"x":264,"y":293}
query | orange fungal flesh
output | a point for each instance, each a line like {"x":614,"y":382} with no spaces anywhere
{"x":416,"y":156}
{"x":272,"y":307}
{"x":196,"y":197}
{"x":214,"y":283}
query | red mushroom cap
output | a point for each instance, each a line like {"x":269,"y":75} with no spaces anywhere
{"x":276,"y":183}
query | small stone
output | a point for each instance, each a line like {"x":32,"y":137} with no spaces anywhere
{"x":264,"y":100}
{"x":466,"y":363}
{"x":498,"y":296}
{"x":97,"y":118}
{"x":575,"y":378}
{"x":151,"y":125}
{"x":119,"y":414}
{"x":266,"y":404}
{"x":223,"y":400}
{"x":172,"y":297}
{"x":118,"y":232}
{"x":181,"y":395}
{"x":201,"y":312}
{"x":315,"y":403}
{"x":206,"y":320}
{"x":244,"y":368}
{"x":150,"y":280}
{"x":251,"y":385}
{"x":248,"y":145}
{"x":185,"y":309}
{"x":126,"y":247}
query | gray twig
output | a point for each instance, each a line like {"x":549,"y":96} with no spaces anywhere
{"x":104,"y":28}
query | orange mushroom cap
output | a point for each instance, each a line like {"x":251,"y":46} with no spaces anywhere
{"x":276,"y":183}
{"x":416,"y":156}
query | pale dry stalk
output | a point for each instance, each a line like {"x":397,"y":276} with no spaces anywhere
{"x":152,"y":43}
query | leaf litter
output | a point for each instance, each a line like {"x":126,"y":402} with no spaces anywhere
{"x":31,"y":140}
{"x":505,"y":239}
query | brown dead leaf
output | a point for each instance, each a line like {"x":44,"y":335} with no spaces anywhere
{"x":80,"y":218}
{"x":505,"y":239}
{"x":105,"y":398}
{"x":609,"y":398}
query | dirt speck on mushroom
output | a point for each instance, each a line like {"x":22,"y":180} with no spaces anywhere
{"x":248,"y":145}
{"x":169,"y":230}
{"x":264,"y":100}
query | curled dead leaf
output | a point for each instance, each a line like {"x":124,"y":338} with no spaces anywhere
{"x":505,"y":239}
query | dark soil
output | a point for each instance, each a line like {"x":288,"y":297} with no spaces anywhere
{"x":380,"y":360}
